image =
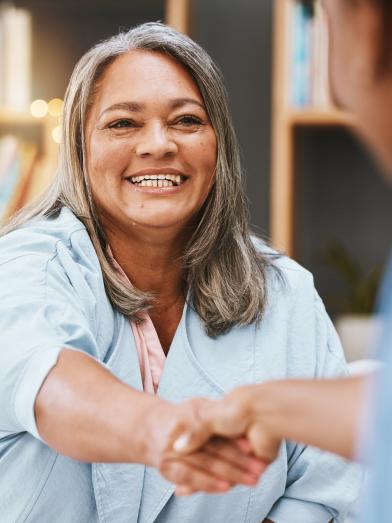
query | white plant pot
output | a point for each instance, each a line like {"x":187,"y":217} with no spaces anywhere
{"x":358,"y":334}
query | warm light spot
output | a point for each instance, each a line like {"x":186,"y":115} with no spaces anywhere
{"x":39,"y":108}
{"x":56,"y":134}
{"x":55,"y":107}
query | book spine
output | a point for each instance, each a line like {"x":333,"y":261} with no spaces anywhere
{"x":325,"y":90}
{"x":302,"y":57}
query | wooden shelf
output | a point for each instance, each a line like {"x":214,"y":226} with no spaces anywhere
{"x":319,"y":117}
{"x":177,"y":15}
{"x":16,"y":118}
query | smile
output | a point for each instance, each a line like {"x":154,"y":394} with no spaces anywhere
{"x":158,"y":180}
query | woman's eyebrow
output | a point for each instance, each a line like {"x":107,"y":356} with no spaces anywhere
{"x":179,"y":102}
{"x":137,"y":107}
{"x":127,"y":106}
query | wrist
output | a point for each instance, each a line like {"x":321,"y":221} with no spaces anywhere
{"x":144,"y":412}
{"x":270,"y":407}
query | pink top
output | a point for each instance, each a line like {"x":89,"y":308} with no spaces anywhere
{"x":149,"y":349}
{"x":151,"y":355}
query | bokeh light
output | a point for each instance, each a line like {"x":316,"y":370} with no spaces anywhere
{"x":39,"y":108}
{"x":55,"y":107}
{"x":56,"y":134}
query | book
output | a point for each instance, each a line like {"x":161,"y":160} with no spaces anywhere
{"x":301,"y":56}
{"x":308,"y":56}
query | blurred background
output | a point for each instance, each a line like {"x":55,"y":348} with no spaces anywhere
{"x":314,"y":191}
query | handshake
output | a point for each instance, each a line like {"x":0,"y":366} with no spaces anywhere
{"x":212,"y":445}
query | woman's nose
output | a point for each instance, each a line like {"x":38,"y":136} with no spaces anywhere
{"x":155,"y":141}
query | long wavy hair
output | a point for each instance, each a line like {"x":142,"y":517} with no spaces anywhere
{"x":224,"y":271}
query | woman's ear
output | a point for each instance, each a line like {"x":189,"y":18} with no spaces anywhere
{"x":374,"y":49}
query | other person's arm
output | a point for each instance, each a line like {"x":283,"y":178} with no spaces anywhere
{"x":320,"y":413}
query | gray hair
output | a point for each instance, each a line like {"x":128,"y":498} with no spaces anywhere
{"x":224,"y":271}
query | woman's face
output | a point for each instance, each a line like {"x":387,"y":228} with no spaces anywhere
{"x":151,"y":149}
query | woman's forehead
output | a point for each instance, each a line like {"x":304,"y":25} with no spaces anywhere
{"x":142,"y":75}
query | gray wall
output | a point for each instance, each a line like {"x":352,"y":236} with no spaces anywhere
{"x":341,"y":196}
{"x":238,"y":36}
{"x":63,"y":30}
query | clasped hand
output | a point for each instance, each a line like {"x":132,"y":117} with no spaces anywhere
{"x":213,"y":445}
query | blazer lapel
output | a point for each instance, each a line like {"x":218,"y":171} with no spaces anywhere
{"x":188,"y":373}
{"x":196,"y":366}
{"x":118,"y":486}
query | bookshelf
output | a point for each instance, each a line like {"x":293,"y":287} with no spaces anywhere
{"x":286,"y":119}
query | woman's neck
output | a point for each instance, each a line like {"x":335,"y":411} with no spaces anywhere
{"x":151,"y":259}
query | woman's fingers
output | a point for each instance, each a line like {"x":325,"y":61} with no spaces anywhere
{"x":218,"y":468}
{"x":221,"y":468}
{"x":184,"y":491}
{"x":237,"y":453}
{"x":190,"y":479}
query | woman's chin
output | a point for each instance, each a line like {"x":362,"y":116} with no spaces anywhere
{"x":159,"y":222}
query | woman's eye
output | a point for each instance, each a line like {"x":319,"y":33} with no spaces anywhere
{"x":120,"y":124}
{"x":189,"y":121}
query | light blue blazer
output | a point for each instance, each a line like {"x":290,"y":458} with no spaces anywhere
{"x":52,"y":296}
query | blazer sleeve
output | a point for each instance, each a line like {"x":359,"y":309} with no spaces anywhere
{"x":320,"y":486}
{"x":41,"y":312}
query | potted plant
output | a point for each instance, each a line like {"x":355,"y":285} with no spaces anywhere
{"x":357,"y":325}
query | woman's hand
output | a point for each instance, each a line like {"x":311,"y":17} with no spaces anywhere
{"x":215,"y":467}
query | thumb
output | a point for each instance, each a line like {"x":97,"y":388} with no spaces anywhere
{"x":265,"y":446}
{"x":203,"y":429}
{"x":188,"y":442}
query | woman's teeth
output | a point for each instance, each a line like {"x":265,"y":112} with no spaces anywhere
{"x":158,"y":180}
{"x":155,"y":183}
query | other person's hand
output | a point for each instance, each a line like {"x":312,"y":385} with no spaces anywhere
{"x":215,"y":465}
{"x":240,"y":414}
{"x":298,"y":410}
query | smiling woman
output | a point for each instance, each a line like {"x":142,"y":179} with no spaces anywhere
{"x":99,"y":115}
{"x":134,"y":284}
